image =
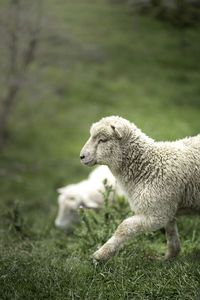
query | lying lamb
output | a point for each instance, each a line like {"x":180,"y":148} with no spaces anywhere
{"x":85,"y":193}
{"x":160,"y":179}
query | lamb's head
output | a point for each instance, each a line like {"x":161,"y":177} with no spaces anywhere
{"x":104,"y":146}
{"x":68,"y":203}
{"x":71,"y":198}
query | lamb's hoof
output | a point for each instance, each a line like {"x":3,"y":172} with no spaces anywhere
{"x":97,"y":256}
{"x":93,"y":261}
{"x":170,"y":256}
{"x":103,"y":256}
{"x":173,"y":253}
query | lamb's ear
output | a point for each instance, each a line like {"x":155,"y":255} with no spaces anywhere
{"x":116,"y":131}
{"x":61,"y":190}
{"x":88,"y":203}
{"x":91,"y":204}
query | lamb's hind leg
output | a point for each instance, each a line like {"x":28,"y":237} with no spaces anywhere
{"x":173,"y":242}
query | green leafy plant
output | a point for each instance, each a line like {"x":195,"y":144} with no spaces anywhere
{"x":97,"y":226}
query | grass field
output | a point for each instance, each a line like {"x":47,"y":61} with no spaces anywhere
{"x":95,"y":59}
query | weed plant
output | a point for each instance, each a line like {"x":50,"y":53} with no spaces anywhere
{"x":97,"y":226}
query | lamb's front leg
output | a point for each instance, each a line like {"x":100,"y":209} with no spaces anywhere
{"x":128,"y":228}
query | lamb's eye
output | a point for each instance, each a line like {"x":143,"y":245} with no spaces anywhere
{"x":102,"y":141}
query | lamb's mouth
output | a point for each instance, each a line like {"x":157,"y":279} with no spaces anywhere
{"x":89,"y":163}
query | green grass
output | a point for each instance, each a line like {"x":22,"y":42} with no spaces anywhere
{"x":95,"y":59}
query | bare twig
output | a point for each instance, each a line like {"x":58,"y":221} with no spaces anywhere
{"x":19,"y":61}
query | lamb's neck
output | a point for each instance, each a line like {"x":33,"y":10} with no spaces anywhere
{"x":137,"y":154}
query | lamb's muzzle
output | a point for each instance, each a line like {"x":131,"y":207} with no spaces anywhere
{"x":86,"y":156}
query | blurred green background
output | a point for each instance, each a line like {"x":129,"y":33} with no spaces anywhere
{"x":93,"y":58}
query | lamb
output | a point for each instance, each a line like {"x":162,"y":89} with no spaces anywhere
{"x":161,"y":180}
{"x":86,"y":193}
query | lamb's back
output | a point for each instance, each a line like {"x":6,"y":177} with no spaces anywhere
{"x":193,"y":142}
{"x":181,"y":170}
